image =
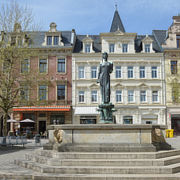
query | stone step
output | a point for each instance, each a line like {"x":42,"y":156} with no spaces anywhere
{"x":107,"y":177}
{"x":29,"y":164}
{"x":107,"y":155}
{"x":122,"y":147}
{"x":170,"y":160}
{"x":11,"y":176}
{"x":99,"y":169}
{"x":163,"y":154}
{"x":103,"y":162}
{"x":94,"y":162}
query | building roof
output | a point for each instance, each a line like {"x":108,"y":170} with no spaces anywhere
{"x":37,"y":39}
{"x":160,"y":36}
{"x":117,"y":23}
{"x":79,"y":44}
{"x":97,"y":46}
{"x":138,"y":43}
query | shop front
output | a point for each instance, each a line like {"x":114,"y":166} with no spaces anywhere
{"x":41,"y":117}
{"x":85,"y":115}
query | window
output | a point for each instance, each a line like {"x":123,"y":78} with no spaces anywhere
{"x":124,"y":48}
{"x":130,"y":95}
{"x":147,"y":48}
{"x":178,"y":41}
{"x":118,"y":96}
{"x":111,"y":48}
{"x":42,"y":93}
{"x":130,"y":71}
{"x":118,"y":71}
{"x":24,"y":93}
{"x":142,"y":72}
{"x":57,"y":119}
{"x":43,"y":65}
{"x":56,"y":40}
{"x":143,"y":96}
{"x":155,"y":96}
{"x":60,"y":92}
{"x":87,"y":119}
{"x":61,"y":65}
{"x":25,"y":66}
{"x":81,"y":96}
{"x":93,"y":72}
{"x":173,"y":67}
{"x":127,"y":119}
{"x":87,"y":48}
{"x":49,"y":40}
{"x":29,"y":116}
{"x":94,"y":96}
{"x":154,"y":71}
{"x":81,"y":72}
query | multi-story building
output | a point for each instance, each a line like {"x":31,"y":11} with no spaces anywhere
{"x":49,"y":100}
{"x":137,"y":81}
{"x":170,"y":42}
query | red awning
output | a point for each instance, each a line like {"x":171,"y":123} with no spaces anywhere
{"x":42,"y":108}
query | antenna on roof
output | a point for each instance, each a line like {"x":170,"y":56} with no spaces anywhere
{"x":116,"y":5}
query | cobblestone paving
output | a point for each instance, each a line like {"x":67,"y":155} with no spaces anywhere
{"x":7,"y":157}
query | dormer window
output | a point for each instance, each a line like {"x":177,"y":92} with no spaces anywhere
{"x":87,"y":48}
{"x":56,"y":40}
{"x":147,"y":44}
{"x":49,"y":40}
{"x":111,"y":48}
{"x":87,"y":45}
{"x":124,"y":48}
{"x":178,"y":41}
{"x":53,"y":37}
{"x":147,"y":48}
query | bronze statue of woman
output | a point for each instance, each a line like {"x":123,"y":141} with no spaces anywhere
{"x":105,"y":69}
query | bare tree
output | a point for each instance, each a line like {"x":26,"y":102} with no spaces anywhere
{"x":13,"y":13}
{"x":15,"y":21}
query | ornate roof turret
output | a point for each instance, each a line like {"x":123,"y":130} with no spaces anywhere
{"x":117,"y":23}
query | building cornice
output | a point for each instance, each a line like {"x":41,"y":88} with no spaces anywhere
{"x":118,"y":55}
{"x":112,"y":34}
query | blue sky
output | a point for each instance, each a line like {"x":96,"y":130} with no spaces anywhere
{"x":95,"y":16}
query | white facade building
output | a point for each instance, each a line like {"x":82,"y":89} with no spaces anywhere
{"x":137,"y":80}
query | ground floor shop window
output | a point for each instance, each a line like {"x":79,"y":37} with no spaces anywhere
{"x":28,"y":128}
{"x":127,"y":119}
{"x":88,"y":120}
{"x":175,"y":123}
{"x":57,"y":119}
{"x":149,"y":119}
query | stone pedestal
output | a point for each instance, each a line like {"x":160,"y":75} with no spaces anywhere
{"x":106,"y":113}
{"x":104,"y":137}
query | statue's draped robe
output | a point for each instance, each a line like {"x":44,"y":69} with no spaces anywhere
{"x":104,"y":77}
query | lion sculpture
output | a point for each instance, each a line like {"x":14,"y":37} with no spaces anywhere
{"x":58,"y":135}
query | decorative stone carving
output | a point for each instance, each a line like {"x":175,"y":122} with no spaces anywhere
{"x":58,"y":135}
{"x":159,"y":141}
